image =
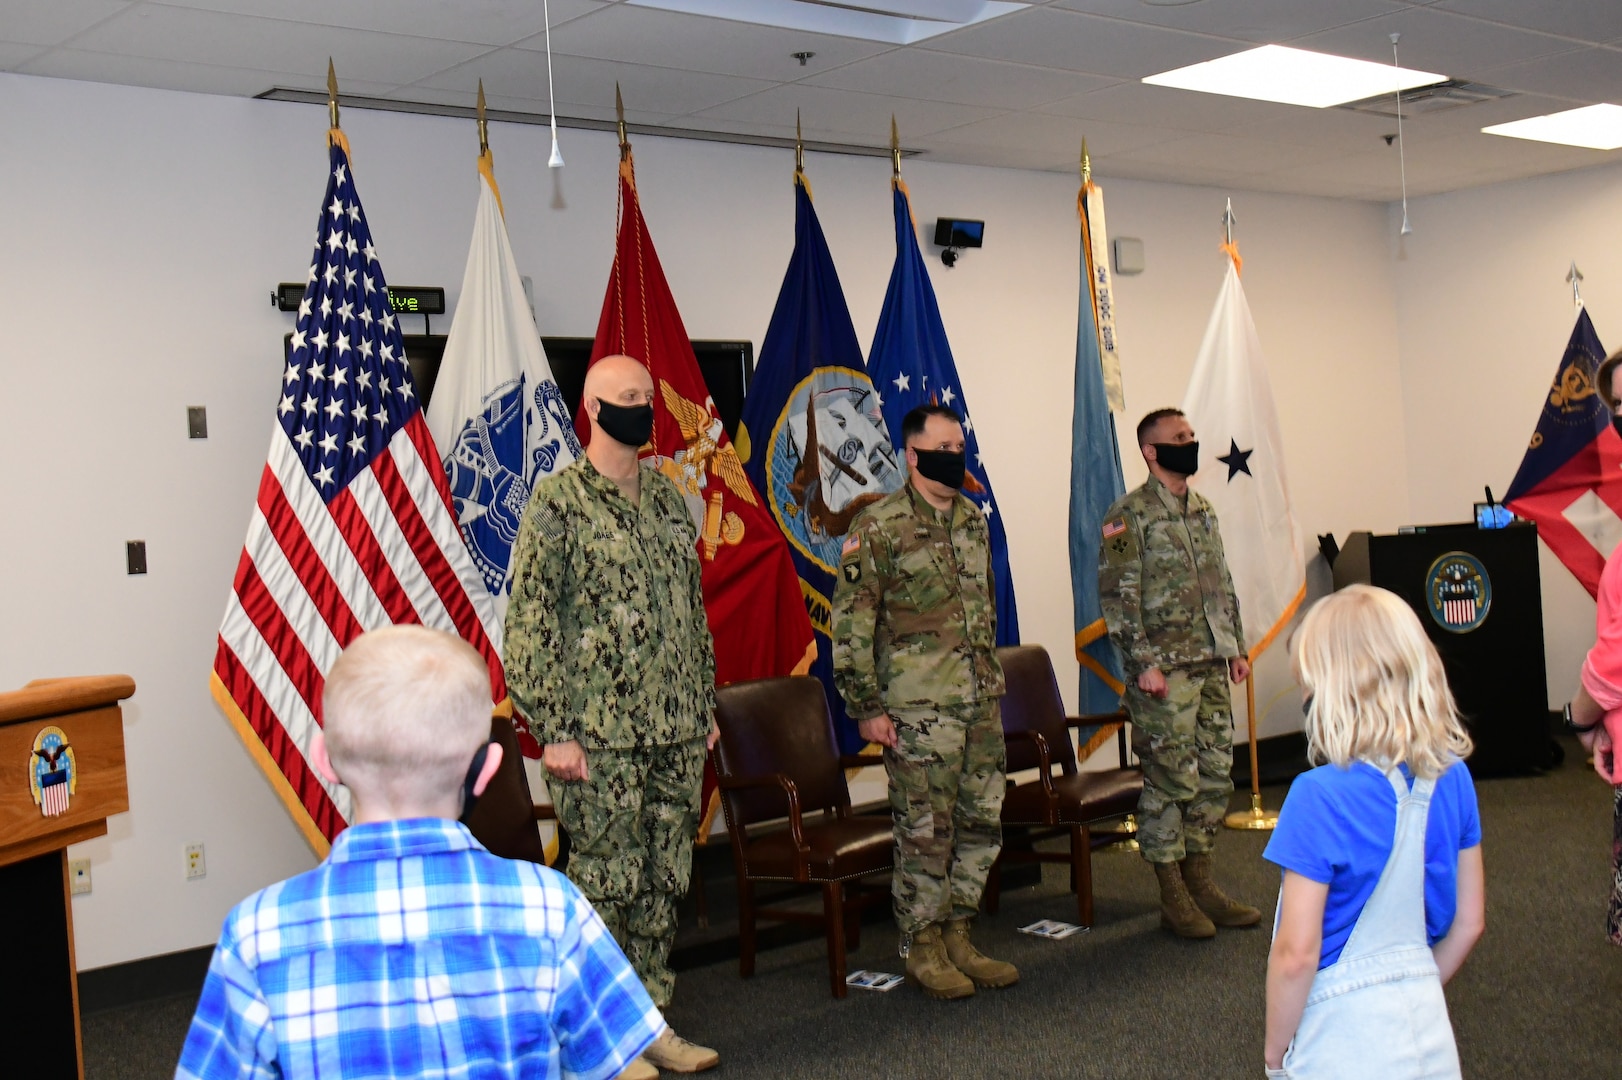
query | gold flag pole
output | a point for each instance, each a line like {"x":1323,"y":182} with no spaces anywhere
{"x":619,"y":124}
{"x":484,"y":124}
{"x":1256,"y":818}
{"x":895,"y":148}
{"x":1127,"y":828}
{"x":332,"y":95}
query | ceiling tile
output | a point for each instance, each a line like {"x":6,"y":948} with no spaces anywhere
{"x":167,"y":33}
{"x":1259,"y":21}
{"x":13,"y":54}
{"x":1587,"y":20}
{"x":998,"y":157}
{"x":55,"y":22}
{"x":1587,"y":75}
{"x":666,"y":39}
{"x":520,"y":73}
{"x":1351,"y":132}
{"x":963,"y":80}
{"x":1070,"y":41}
{"x":1228,"y":153}
{"x":1164,"y":106}
{"x":1456,"y":46}
{"x":1059,"y":135}
{"x":866,"y":116}
{"x":179,"y":74}
{"x":1124,"y":168}
{"x":485,"y":22}
{"x":537,"y":107}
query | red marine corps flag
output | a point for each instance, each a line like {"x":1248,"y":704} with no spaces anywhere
{"x":751,"y":589}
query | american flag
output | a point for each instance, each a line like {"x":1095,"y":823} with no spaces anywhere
{"x":352,"y":528}
{"x":54,"y":793}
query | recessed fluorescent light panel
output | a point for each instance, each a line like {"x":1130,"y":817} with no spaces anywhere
{"x":1598,"y":127}
{"x":898,"y":22}
{"x":1294,"y":77}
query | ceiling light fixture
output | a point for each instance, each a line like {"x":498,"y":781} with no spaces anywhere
{"x":897,"y":22}
{"x":1598,"y":127}
{"x":1294,"y":77}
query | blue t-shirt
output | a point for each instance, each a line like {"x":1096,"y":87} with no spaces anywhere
{"x":1337,"y":828}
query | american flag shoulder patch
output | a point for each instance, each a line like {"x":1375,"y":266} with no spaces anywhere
{"x":853,"y":543}
{"x":1114,"y":528}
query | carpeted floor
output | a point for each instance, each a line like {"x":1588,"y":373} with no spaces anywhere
{"x":1538,"y":998}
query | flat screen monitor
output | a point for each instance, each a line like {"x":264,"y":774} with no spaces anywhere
{"x":725,"y":365}
{"x":1493,"y":516}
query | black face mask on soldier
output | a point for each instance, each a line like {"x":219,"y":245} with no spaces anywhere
{"x":628,"y":424}
{"x":1616,"y":422}
{"x":943,"y":466}
{"x":1180,"y":458}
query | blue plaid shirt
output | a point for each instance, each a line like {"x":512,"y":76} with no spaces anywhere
{"x":413,"y":952}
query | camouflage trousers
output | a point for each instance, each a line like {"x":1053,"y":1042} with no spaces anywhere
{"x":946,"y":790}
{"x":631,"y":824}
{"x":1185,"y":744}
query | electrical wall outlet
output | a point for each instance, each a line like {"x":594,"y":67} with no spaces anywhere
{"x":79,"y":876}
{"x":195,"y":866}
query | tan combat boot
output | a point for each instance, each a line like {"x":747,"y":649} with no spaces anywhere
{"x":928,"y":966}
{"x":1209,"y":897}
{"x":671,"y":1051}
{"x":981,"y":969}
{"x":1177,"y":910}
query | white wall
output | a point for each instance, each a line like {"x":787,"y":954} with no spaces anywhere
{"x":142,"y":231}
{"x":1484,"y":313}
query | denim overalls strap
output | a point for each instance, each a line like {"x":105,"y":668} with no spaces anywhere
{"x":1378,"y":1010}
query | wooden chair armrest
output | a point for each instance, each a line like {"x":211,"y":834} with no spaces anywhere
{"x":1044,"y":759}
{"x":795,"y":821}
{"x":860,"y":761}
{"x":1119,"y":716}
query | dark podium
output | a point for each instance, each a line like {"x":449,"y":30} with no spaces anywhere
{"x":1476,"y":592}
{"x":61,"y":777}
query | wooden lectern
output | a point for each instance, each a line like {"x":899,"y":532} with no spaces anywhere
{"x":61,"y":777}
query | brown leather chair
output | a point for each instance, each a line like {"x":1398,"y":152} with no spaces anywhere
{"x":778,"y":758}
{"x":1038,"y":735}
{"x":504,"y":819}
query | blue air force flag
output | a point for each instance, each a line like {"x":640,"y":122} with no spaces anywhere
{"x":496,"y":411}
{"x":813,"y":438}
{"x":911,"y":364}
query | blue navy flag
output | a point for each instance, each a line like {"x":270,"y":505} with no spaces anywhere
{"x":911,"y":364}
{"x":813,"y":438}
{"x":1095,"y":483}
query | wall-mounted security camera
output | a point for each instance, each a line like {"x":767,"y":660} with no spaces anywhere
{"x":954,"y":234}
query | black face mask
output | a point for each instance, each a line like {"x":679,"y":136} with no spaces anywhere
{"x":473,"y":770}
{"x":1180,"y":458}
{"x":1616,"y":422}
{"x":943,"y":466}
{"x":628,"y":424}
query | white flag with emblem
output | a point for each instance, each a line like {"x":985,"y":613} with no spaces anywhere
{"x":1230,"y":405}
{"x":496,"y":412}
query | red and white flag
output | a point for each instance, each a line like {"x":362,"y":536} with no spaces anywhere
{"x":352,"y":528}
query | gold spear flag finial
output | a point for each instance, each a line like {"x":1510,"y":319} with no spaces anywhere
{"x":799,"y":145}
{"x":484,"y":124}
{"x":619,"y":123}
{"x":332,"y":93}
{"x":895,"y":148}
{"x":1086,"y":163}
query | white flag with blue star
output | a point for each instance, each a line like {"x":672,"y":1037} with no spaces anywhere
{"x":1230,"y":405}
{"x":496,"y":412}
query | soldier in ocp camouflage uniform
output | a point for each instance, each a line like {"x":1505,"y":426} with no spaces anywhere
{"x":1169,"y":602}
{"x":608,"y":655}
{"x":915,"y":658}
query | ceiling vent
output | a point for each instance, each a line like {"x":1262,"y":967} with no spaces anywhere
{"x":1424,"y":100}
